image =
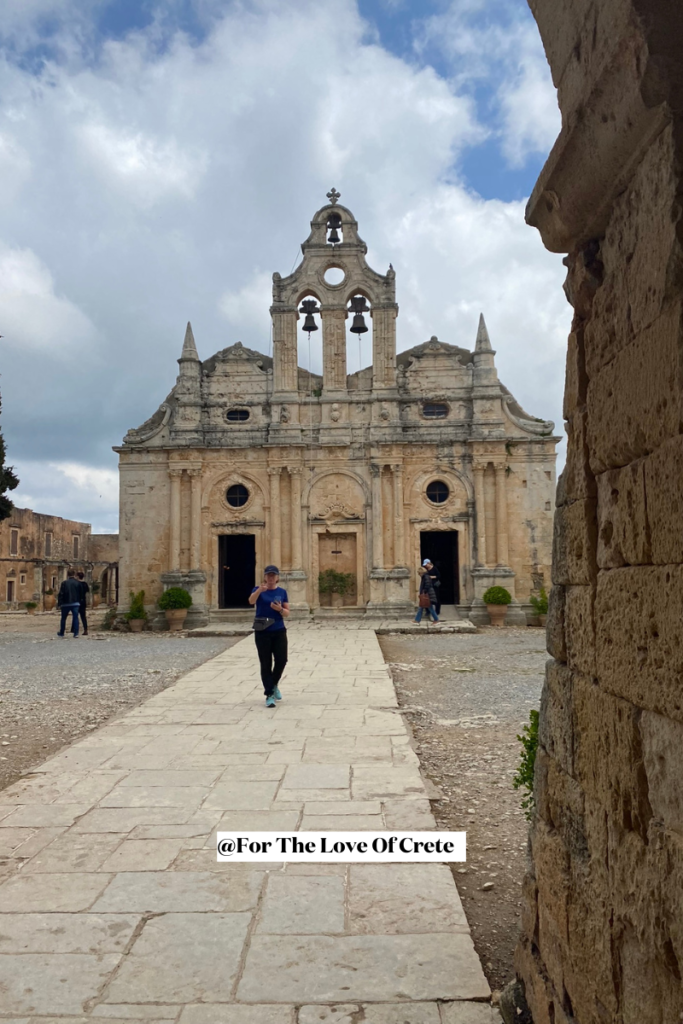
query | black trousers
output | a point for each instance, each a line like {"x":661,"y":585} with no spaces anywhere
{"x":84,"y":620}
{"x":272,"y":653}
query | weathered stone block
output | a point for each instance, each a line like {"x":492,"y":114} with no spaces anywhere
{"x":580,"y":629}
{"x":608,"y":755}
{"x":555,"y":629}
{"x":555,"y":723}
{"x":575,"y":379}
{"x":634,"y":402}
{"x":623,"y":534}
{"x":578,"y":478}
{"x":663,"y":473}
{"x":662,"y":742}
{"x":553,"y":877}
{"x":638,"y":616}
{"x":575,"y":538}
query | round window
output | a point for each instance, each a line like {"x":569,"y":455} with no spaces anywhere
{"x":237,"y":415}
{"x":237,"y":495}
{"x":334,"y":275}
{"x":437,"y":492}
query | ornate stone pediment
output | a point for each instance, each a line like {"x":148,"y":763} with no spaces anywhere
{"x":335,"y":510}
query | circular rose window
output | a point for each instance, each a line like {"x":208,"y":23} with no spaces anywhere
{"x":437,"y":492}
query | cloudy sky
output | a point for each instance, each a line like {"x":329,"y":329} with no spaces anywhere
{"x":159,"y":159}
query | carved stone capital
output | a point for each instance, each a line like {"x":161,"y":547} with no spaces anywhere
{"x":175,"y":471}
{"x":274,"y":470}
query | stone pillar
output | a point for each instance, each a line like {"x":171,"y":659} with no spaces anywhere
{"x":334,"y":348}
{"x":480,"y":513}
{"x":195,"y":475}
{"x":501,"y":514}
{"x":384,"y":346}
{"x":377,"y":518}
{"x":295,"y":516}
{"x":275,"y":516}
{"x":285,"y":376}
{"x":175,"y":474}
{"x":399,"y":552}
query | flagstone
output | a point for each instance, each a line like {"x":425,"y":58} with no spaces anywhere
{"x":158,"y":892}
{"x":36,"y":983}
{"x":51,"y":892}
{"x":303,"y":905}
{"x":66,"y":933}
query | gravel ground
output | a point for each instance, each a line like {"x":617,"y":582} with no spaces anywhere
{"x":466,"y":698}
{"x":52,"y":691}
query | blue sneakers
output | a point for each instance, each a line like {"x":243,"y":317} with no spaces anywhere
{"x":270,"y":701}
{"x":277,"y":694}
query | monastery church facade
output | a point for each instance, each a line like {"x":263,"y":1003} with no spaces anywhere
{"x":252,"y":460}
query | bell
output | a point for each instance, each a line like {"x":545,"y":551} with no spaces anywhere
{"x":334,"y":222}
{"x":359,"y":326}
{"x":309,"y":307}
{"x":358,"y":307}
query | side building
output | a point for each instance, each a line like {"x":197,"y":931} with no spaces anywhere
{"x":37,"y":550}
{"x":354,"y":477}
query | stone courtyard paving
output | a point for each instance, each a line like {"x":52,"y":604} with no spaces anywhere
{"x":113,"y":904}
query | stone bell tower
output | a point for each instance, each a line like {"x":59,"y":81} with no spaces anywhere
{"x":333,"y":248}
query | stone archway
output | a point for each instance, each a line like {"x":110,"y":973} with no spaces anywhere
{"x":602,"y":937}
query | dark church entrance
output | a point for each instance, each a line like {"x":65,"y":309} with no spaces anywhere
{"x":441,"y":547}
{"x":237,"y":572}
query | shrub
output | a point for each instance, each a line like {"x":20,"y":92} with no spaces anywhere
{"x":137,"y":606}
{"x":175,"y":597}
{"x":30,"y":604}
{"x":497,"y":595}
{"x":524,"y":776}
{"x":332,"y":582}
{"x":96,"y":587}
{"x":109,"y":618}
{"x":49,"y":592}
{"x":540,"y":603}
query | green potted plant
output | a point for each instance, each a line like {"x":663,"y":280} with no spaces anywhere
{"x":31,"y":607}
{"x":540,"y":605}
{"x":497,"y":600}
{"x":175,"y":601}
{"x":136,"y":616}
{"x":49,"y":599}
{"x":337,"y":584}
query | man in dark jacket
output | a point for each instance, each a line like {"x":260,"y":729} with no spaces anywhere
{"x":435,"y":577}
{"x":69,"y":600}
{"x":85,"y":590}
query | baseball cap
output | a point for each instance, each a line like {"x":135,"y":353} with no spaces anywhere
{"x":271,"y":568}
{"x":427,"y":561}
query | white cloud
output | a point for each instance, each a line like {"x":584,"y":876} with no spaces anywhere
{"x":157,"y":185}
{"x":70,"y":490}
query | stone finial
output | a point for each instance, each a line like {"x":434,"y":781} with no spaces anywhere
{"x":333,"y":196}
{"x":189,"y":347}
{"x":483,"y":342}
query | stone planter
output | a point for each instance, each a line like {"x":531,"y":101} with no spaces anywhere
{"x":497,"y":613}
{"x":136,"y":625}
{"x":49,"y":601}
{"x":337,"y":599}
{"x":543,"y":619}
{"x":31,"y":611}
{"x":176,"y":617}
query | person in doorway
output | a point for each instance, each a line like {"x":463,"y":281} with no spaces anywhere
{"x":426,"y":597}
{"x":435,"y":577}
{"x":85,"y":590}
{"x":270,"y":633}
{"x":69,"y":600}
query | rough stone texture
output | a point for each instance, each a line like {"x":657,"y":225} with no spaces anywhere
{"x":601,"y":938}
{"x":336,"y":467}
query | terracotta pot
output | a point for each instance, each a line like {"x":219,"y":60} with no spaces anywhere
{"x":176,"y":617}
{"x":136,"y":625}
{"x":96,"y":600}
{"x":337,"y":599}
{"x":31,"y":611}
{"x":49,"y":601}
{"x":497,"y":613}
{"x":543,"y":619}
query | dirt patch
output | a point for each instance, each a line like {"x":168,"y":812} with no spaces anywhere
{"x":466,"y":699}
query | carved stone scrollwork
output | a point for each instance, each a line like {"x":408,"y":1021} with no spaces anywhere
{"x":537,"y":427}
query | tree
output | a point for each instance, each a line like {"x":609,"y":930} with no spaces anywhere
{"x":8,"y":481}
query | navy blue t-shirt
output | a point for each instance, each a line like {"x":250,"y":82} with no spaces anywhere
{"x":264,"y":611}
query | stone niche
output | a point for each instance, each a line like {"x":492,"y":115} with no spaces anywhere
{"x":602,"y":926}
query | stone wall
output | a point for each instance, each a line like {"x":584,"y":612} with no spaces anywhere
{"x":602,"y":939}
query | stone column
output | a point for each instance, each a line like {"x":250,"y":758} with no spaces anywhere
{"x":399,"y":553}
{"x":501,"y":514}
{"x":195,"y":475}
{"x":295,"y":517}
{"x":480,"y":513}
{"x":384,"y":346}
{"x":284,"y":349}
{"x":377,"y":518}
{"x":275,"y":516}
{"x":334,"y":348}
{"x":175,"y":474}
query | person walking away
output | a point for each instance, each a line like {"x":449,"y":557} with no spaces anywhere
{"x":85,"y":590}
{"x":69,"y":600}
{"x":435,"y":577}
{"x":427,"y":596}
{"x":270,"y":633}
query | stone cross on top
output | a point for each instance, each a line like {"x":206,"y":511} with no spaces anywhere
{"x":333,"y":196}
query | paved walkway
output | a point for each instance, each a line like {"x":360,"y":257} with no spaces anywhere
{"x":114,"y":905}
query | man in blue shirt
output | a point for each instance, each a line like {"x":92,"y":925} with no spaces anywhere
{"x":272,"y":608}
